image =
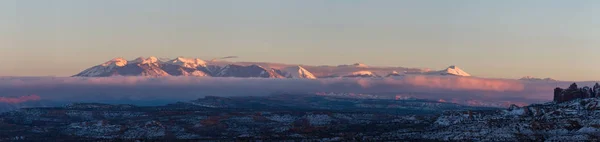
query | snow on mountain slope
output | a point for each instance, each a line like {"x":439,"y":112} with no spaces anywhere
{"x":153,"y":66}
{"x":363,"y":73}
{"x":324,"y":71}
{"x":298,"y":72}
{"x":149,"y":60}
{"x":393,"y":73}
{"x":121,"y":67}
{"x":576,"y":120}
{"x":248,"y":71}
{"x":149,"y":67}
{"x":529,"y":78}
{"x":452,"y":70}
{"x":178,"y":70}
{"x":117,"y":62}
{"x":187,"y":62}
{"x":105,"y":69}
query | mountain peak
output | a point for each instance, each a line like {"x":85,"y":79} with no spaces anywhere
{"x":363,"y":73}
{"x":152,"y":58}
{"x":360,"y":65}
{"x":454,"y":70}
{"x":182,"y":66}
{"x":394,"y":73}
{"x":530,"y":78}
{"x":298,"y":72}
{"x":138,"y":60}
{"x":451,"y":70}
{"x":149,"y":60}
{"x":188,"y":62}
{"x":118,"y":59}
{"x":119,"y":62}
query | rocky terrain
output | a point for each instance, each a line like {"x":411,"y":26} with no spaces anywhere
{"x":302,"y":117}
{"x":577,"y":120}
{"x":572,"y":93}
{"x":317,"y":117}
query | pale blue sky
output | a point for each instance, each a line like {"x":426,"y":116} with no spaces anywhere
{"x":500,"y":39}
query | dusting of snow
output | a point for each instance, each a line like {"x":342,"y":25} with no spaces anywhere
{"x":363,"y":73}
{"x":318,"y":119}
{"x":394,"y":73}
{"x":142,"y":60}
{"x":282,"y":118}
{"x":589,"y":130}
{"x":195,"y":73}
{"x":116,"y":62}
{"x":108,"y":66}
{"x":452,"y":70}
{"x":187,"y":62}
{"x":516,"y":112}
{"x":262,"y":72}
{"x":224,"y":70}
{"x":150,"y":60}
{"x":298,"y":72}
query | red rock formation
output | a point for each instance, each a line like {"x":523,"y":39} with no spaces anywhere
{"x":573,"y":92}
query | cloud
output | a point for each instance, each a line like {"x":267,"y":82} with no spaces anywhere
{"x":446,"y":83}
{"x":162,"y":90}
{"x":15,"y":100}
{"x":466,"y":83}
{"x":229,"y":57}
{"x":222,"y":58}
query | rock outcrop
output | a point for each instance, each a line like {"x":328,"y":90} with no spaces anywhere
{"x":573,"y":92}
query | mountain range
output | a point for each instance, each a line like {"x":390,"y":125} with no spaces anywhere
{"x":530,"y":78}
{"x":180,"y":66}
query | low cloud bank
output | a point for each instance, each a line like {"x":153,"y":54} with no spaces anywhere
{"x":21,"y":99}
{"x":158,"y":91}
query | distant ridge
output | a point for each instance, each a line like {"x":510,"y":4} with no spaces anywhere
{"x":451,"y":70}
{"x":181,"y":66}
{"x":529,"y":78}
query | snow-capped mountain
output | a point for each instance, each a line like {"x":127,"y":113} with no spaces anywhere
{"x":393,"y":73}
{"x":452,"y":70}
{"x":529,"y":78}
{"x":182,"y":70}
{"x":106,"y":69}
{"x":298,"y":72}
{"x":248,"y":71}
{"x":121,"y":67}
{"x":185,"y":67}
{"x":362,"y":74}
{"x":153,"y":66}
{"x":188,"y":63}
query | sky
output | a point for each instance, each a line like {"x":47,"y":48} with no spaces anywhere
{"x":495,"y":39}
